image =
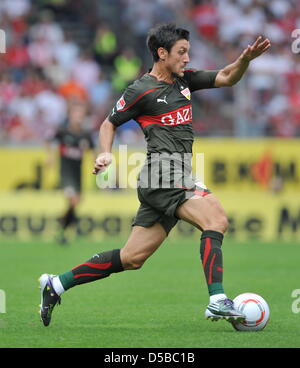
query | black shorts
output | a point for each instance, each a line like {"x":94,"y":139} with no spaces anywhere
{"x":70,"y":175}
{"x":160,"y":204}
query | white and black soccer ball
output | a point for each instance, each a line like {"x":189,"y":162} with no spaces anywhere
{"x":256,"y":310}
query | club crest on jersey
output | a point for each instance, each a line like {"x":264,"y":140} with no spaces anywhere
{"x":120,"y":104}
{"x":186,"y":93}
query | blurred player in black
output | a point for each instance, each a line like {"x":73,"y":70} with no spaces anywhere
{"x":73,"y":140}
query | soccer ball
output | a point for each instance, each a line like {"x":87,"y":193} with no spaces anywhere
{"x":256,"y":310}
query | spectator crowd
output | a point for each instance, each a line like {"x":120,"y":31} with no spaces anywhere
{"x":61,"y":52}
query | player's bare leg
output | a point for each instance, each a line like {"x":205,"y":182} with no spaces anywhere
{"x":142,"y":243}
{"x":207,"y":214}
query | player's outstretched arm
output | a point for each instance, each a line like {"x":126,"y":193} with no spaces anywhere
{"x":232,"y":73}
{"x":106,"y":138}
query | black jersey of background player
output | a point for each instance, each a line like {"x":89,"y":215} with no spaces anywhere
{"x":163,"y":110}
{"x":73,"y":145}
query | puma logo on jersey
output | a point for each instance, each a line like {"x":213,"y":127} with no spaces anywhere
{"x":162,"y":100}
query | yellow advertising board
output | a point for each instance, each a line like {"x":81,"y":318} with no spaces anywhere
{"x":231,"y":164}
{"x":257,"y":181}
{"x":256,"y":216}
{"x":243,"y":165}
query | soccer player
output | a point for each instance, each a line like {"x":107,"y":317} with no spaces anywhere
{"x":160,"y":102}
{"x":73,"y":140}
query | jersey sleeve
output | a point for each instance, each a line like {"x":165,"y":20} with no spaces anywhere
{"x":200,"y":79}
{"x":127,"y":107}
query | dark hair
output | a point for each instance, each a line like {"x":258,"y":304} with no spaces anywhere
{"x":165,"y":35}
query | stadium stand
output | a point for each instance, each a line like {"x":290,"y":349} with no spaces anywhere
{"x":61,"y":51}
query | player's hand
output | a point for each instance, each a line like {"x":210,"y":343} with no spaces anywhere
{"x":102,"y":161}
{"x":256,"y":49}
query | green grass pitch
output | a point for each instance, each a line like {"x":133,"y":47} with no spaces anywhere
{"x":159,"y":306}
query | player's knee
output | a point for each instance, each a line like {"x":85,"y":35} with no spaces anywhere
{"x":217,"y":223}
{"x":221,"y":224}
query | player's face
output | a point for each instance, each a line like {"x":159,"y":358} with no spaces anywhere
{"x":76,"y":115}
{"x":178,"y":57}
